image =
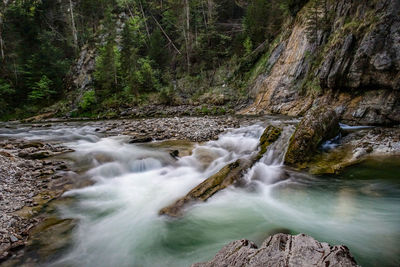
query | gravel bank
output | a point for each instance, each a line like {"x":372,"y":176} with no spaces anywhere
{"x":27,"y":182}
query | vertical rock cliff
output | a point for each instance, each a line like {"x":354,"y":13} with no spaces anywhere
{"x":353,"y":65}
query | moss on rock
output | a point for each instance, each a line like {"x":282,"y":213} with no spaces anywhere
{"x":270,"y":135}
{"x":318,"y":125}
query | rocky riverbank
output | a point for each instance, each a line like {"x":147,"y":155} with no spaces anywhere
{"x":28,"y":180}
{"x":196,"y":129}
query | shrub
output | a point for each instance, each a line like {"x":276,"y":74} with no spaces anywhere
{"x":167,"y":96}
{"x":42,"y":90}
{"x":88,"y":100}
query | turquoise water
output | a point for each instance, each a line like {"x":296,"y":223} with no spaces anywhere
{"x":119,"y":225}
{"x":119,"y":221}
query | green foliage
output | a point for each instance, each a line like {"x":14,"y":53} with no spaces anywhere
{"x":160,"y":43}
{"x":248,"y":45}
{"x":106,"y":73}
{"x":318,"y":18}
{"x":167,"y":96}
{"x":5,"y":89}
{"x":6,"y":92}
{"x":111,"y":102}
{"x":148,"y":76}
{"x":263,"y":20}
{"x":156,"y":51}
{"x":294,"y":6}
{"x":37,"y":55}
{"x":42,"y":90}
{"x":88,"y":100}
{"x":108,"y":60}
{"x":313,"y":87}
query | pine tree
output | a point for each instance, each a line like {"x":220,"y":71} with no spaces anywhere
{"x":107,"y":63}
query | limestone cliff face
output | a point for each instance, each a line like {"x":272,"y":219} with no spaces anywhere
{"x":83,"y":71}
{"x":355,"y":67}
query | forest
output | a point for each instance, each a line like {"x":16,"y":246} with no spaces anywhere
{"x":142,"y":48}
{"x":199,"y":133}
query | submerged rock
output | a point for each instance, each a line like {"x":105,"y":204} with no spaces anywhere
{"x":34,"y":155}
{"x":140,"y":139}
{"x":281,"y":250}
{"x":225,"y":177}
{"x":318,"y":125}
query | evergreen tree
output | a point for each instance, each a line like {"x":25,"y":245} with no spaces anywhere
{"x":263,"y":20}
{"x":107,"y":63}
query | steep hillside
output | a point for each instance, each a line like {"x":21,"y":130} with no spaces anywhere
{"x":352,"y":64}
{"x":101,"y":59}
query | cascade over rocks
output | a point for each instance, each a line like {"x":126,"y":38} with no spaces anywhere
{"x":222,"y":179}
{"x":281,"y":250}
{"x":225,"y":177}
{"x":318,"y":125}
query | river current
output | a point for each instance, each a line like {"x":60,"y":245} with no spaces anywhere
{"x":119,"y":225}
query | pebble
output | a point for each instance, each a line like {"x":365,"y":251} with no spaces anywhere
{"x":13,"y":238}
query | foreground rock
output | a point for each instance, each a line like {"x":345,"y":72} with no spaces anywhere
{"x":281,"y":250}
{"x":225,"y":177}
{"x":318,"y":125}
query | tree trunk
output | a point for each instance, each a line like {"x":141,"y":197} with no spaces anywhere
{"x":166,"y":35}
{"x":1,"y":37}
{"x":74,"y":32}
{"x":186,"y":33}
{"x":210,"y":9}
{"x":145,"y":20}
{"x":204,"y":15}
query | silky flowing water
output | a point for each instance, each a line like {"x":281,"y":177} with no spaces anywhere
{"x":119,"y":225}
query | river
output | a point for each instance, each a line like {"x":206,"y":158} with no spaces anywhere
{"x":119,"y":225}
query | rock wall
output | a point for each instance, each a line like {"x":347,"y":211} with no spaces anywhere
{"x":354,"y":67}
{"x":82,"y":78}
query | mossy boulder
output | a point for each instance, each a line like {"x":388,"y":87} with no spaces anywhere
{"x":318,"y":125}
{"x":228,"y":175}
{"x":270,"y":135}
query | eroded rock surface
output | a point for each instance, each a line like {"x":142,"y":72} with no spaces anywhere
{"x":318,"y":125}
{"x":281,"y":250}
{"x":354,"y":66}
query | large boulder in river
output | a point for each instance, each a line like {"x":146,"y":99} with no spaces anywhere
{"x":281,"y":250}
{"x":228,"y":175}
{"x":318,"y":125}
